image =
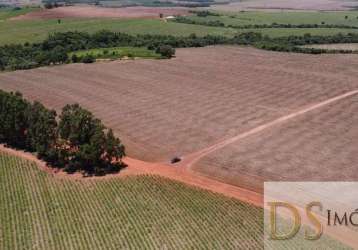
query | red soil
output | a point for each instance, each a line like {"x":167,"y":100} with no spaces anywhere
{"x":101,"y":12}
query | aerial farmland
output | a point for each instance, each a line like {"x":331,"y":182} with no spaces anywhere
{"x":206,"y":104}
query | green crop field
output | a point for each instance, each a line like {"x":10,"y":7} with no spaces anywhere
{"x":349,"y":18}
{"x":119,"y":52}
{"x":35,"y":31}
{"x":38,"y":211}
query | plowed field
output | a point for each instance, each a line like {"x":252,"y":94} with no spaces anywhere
{"x":178,"y":107}
{"x":100,"y":12}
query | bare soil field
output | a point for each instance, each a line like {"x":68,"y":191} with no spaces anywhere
{"x":275,"y":5}
{"x":182,"y":106}
{"x":321,"y":145}
{"x":84,"y":11}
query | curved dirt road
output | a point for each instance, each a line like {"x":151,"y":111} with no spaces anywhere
{"x":137,"y":167}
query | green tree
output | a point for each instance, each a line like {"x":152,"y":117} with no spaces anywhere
{"x":88,"y":59}
{"x":77,"y":142}
{"x":2,"y":64}
{"x":75,"y":58}
{"x":166,"y":51}
{"x":77,"y":125}
{"x":13,"y":119}
{"x":58,"y":55}
{"x":42,"y":129}
{"x":89,"y":155}
{"x":114,"y":149}
{"x":89,"y":148}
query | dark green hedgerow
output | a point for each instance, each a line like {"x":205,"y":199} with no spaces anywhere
{"x":218,"y":23}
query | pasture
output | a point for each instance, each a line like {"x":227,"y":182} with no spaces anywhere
{"x":198,"y":102}
{"x":349,"y":18}
{"x":242,"y":19}
{"x":119,"y":52}
{"x":37,"y":30}
{"x":291,"y":5}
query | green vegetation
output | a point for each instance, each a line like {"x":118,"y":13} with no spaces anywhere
{"x":284,"y":17}
{"x":6,"y":13}
{"x":278,"y":24}
{"x":204,"y":28}
{"x":36,"y":31}
{"x":56,"y":48}
{"x":38,"y":211}
{"x":78,"y":142}
{"x":115,"y":53}
{"x":285,"y":32}
{"x":165,"y":51}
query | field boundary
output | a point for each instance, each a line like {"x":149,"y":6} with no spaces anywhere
{"x":137,"y":167}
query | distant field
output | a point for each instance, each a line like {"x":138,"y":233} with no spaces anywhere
{"x":256,"y":17}
{"x":114,"y":53}
{"x":294,"y":18}
{"x":6,"y":13}
{"x":87,"y":11}
{"x":178,"y":107}
{"x":278,"y":5}
{"x":35,"y":31}
{"x":338,"y":46}
{"x":38,"y":211}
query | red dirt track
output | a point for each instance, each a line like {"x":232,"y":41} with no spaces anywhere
{"x":101,"y":12}
{"x":238,"y":115}
{"x":136,"y":167}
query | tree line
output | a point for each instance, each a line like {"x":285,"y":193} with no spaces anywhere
{"x":74,"y":141}
{"x":55,"y":49}
{"x":295,"y":43}
{"x":218,"y":23}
